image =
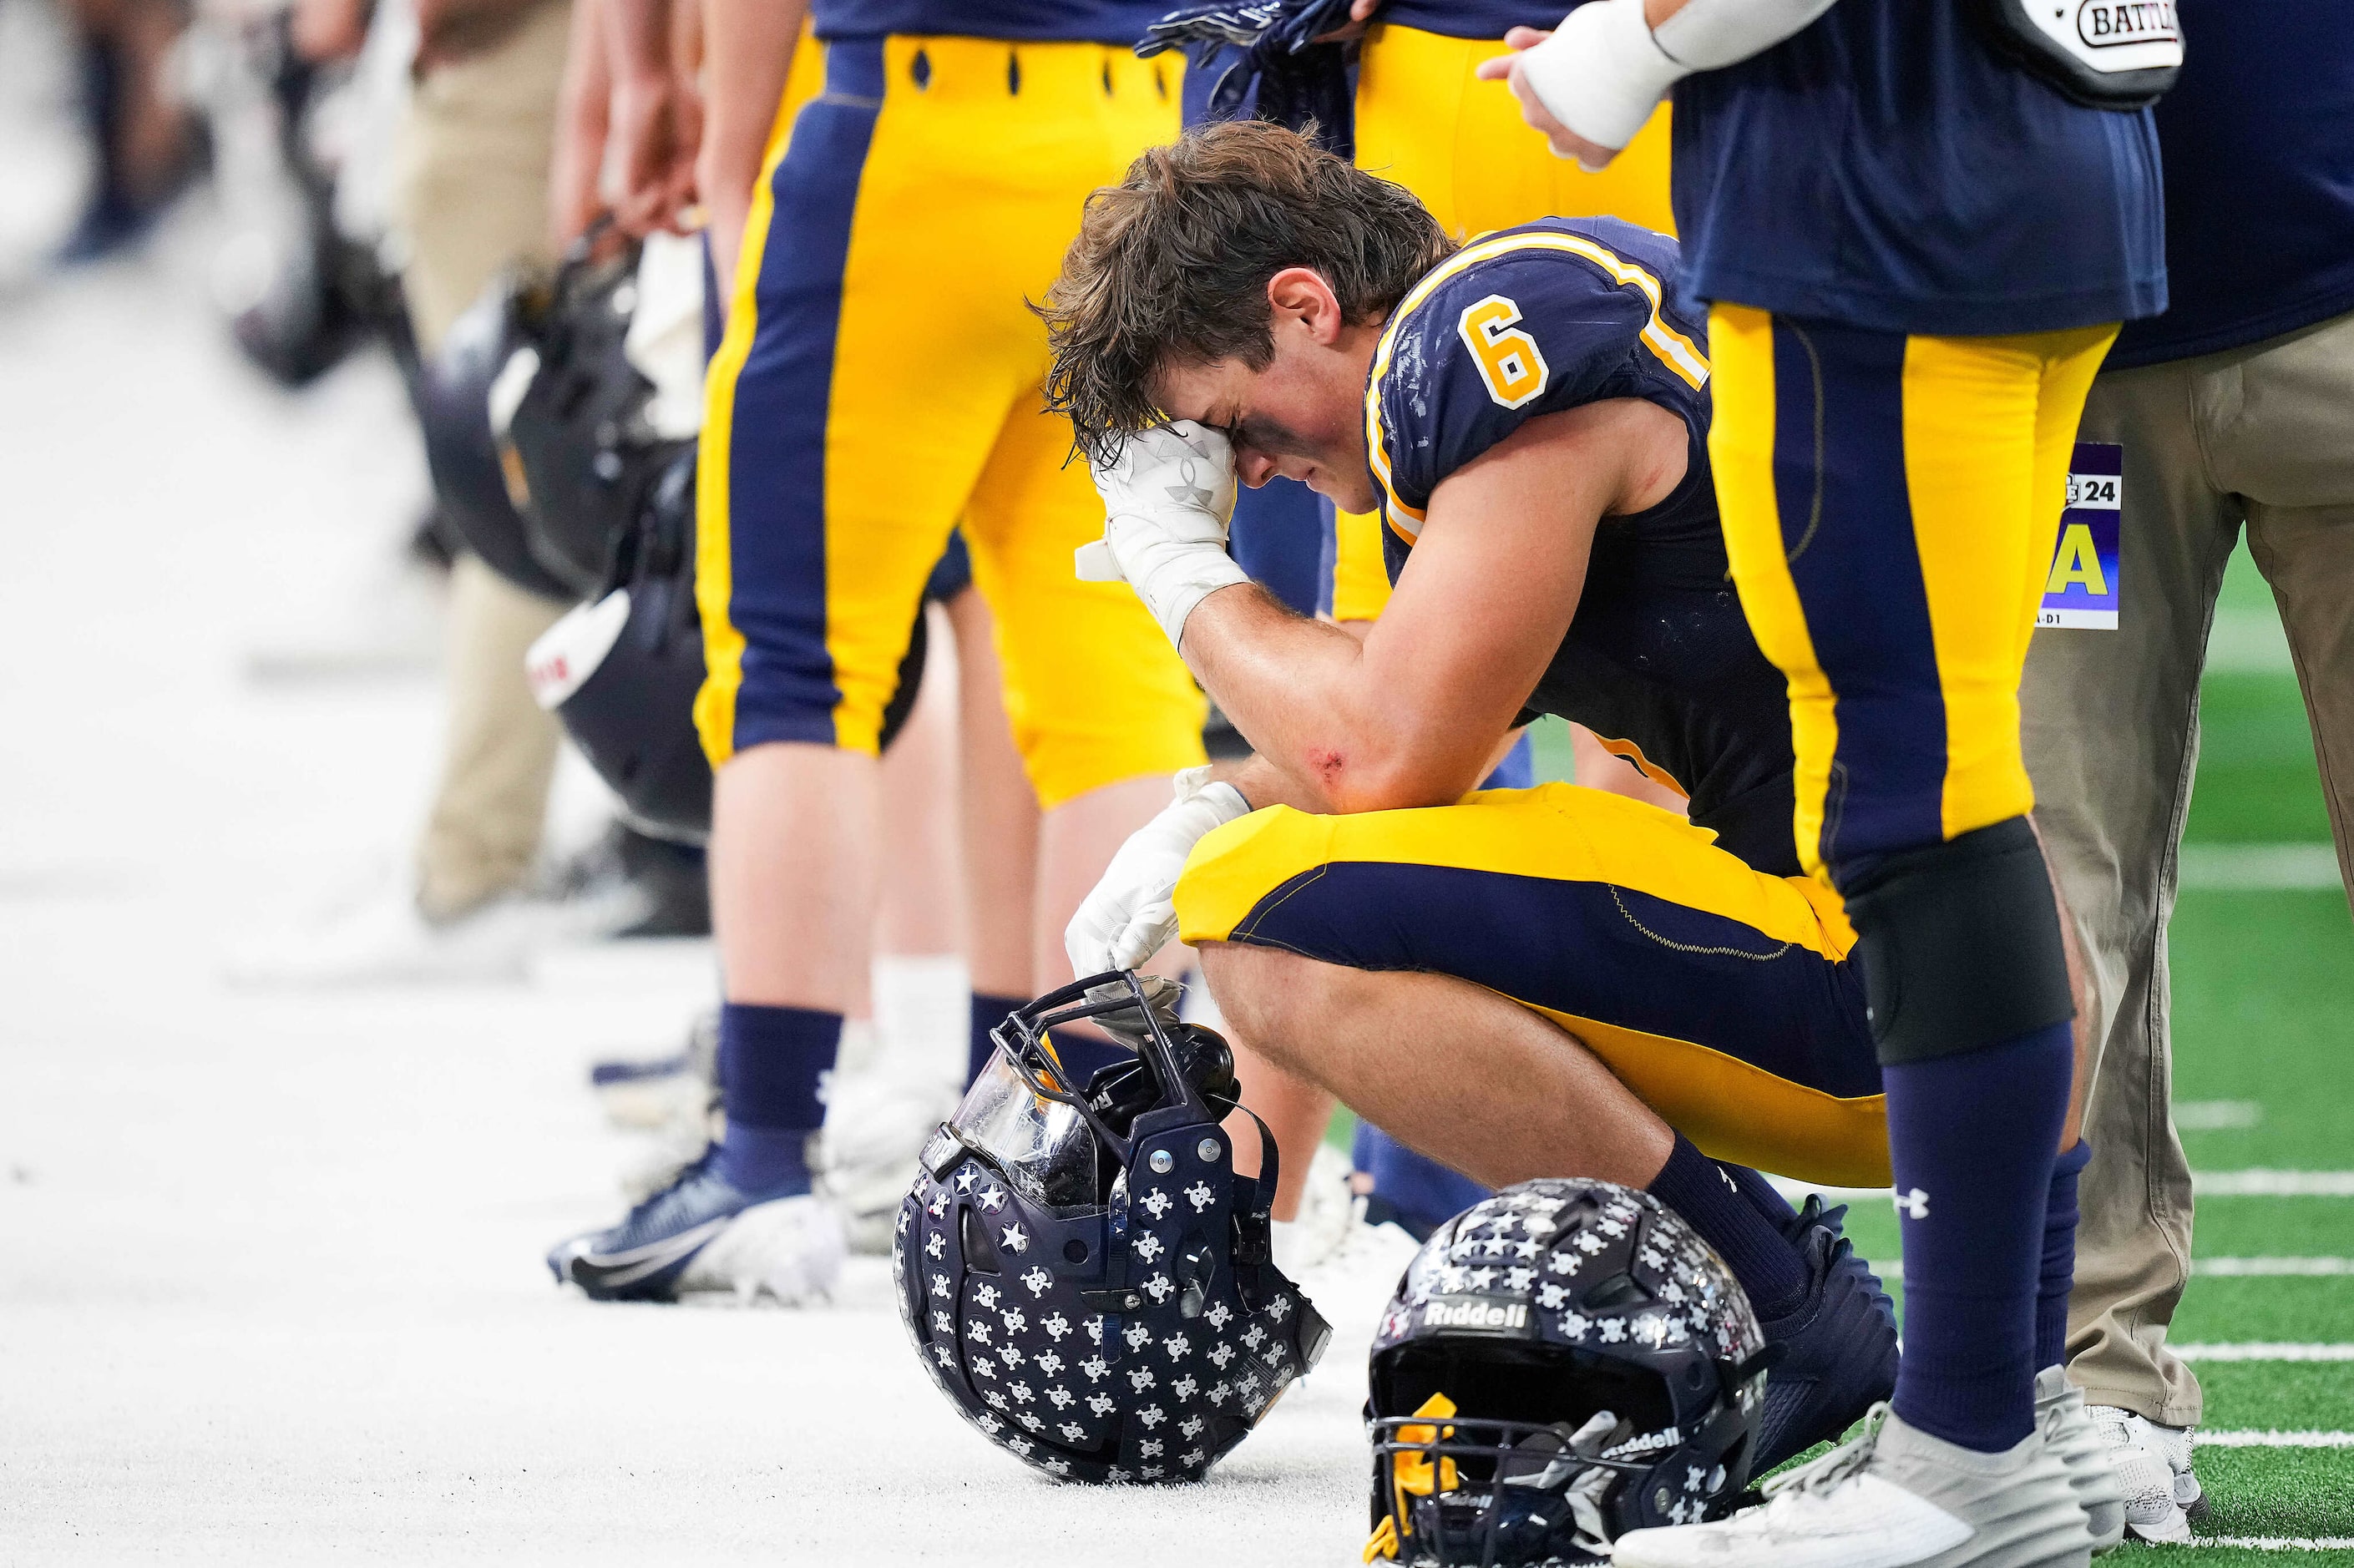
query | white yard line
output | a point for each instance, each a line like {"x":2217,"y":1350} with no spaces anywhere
{"x":2217,"y":1116}
{"x":1892,"y":1271}
{"x":2278,"y":1543}
{"x":2263,"y":1352}
{"x":2275,"y":1439}
{"x":2254,"y":1184}
{"x":2263,"y":1184}
{"x":2259,"y":868}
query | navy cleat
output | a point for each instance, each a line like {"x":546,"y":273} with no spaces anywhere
{"x":1838,"y":1346}
{"x":702,"y":1235}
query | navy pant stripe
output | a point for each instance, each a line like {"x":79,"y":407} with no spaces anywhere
{"x":777,"y":445}
{"x":1590,"y":950}
{"x":1846,"y":530}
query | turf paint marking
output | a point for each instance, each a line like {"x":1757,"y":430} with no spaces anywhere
{"x":2274,"y":1439}
{"x":2260,"y":1351}
{"x":2259,"y":868}
{"x":2262,"y":1183}
{"x":1892,"y":1271}
{"x":2278,"y":1543}
{"x":2217,"y":1116}
{"x":2254,"y":1184}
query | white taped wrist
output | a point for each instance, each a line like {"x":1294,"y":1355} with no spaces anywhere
{"x":1709,"y":34}
{"x":1601,"y":73}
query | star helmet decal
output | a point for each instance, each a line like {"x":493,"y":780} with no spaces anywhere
{"x":966,"y":1178}
{"x":992,"y":1198}
{"x":1015,"y":1238}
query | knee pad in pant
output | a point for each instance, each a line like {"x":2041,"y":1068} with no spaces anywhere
{"x":1960,"y":944}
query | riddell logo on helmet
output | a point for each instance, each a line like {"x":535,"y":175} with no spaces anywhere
{"x":1476,"y":1315}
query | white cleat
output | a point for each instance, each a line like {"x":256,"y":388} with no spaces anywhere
{"x":787,"y":1253}
{"x":2068,"y":1431}
{"x":386,"y":940}
{"x":876,"y":1123}
{"x":1893,"y":1497}
{"x":2153,"y":1469}
{"x":1326,"y":1219}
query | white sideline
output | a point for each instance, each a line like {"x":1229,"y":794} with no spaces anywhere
{"x":2274,"y":1439}
{"x":2254,"y":1184}
{"x":2260,"y":1351}
{"x":1892,"y":1271}
{"x":2278,"y":1543}
{"x":2259,"y":868}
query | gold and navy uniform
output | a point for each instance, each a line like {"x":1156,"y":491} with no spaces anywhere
{"x":1425,"y":120}
{"x":1714,"y":985}
{"x":1917,"y":254}
{"x":878,"y":385}
{"x":1658,"y":662}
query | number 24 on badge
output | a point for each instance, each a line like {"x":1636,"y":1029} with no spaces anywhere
{"x":2081,"y":590}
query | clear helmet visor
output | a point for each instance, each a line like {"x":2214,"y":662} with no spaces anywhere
{"x":1045,"y":1147}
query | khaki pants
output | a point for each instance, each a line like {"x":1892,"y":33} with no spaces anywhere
{"x":473,"y":198}
{"x":2261,"y":437}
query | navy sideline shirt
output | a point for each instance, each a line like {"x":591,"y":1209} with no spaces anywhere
{"x":1884,"y":168}
{"x":2259,"y":139}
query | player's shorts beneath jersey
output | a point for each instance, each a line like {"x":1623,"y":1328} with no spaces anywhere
{"x":1720,"y":996}
{"x":1889,"y":504}
{"x":878,"y":385}
{"x":1425,"y":120}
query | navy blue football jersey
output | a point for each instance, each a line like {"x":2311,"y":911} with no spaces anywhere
{"x":1659,"y":660}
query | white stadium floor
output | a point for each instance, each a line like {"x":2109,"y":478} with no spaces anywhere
{"x":271,"y":1288}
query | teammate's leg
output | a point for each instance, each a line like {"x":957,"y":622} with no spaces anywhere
{"x":998,"y":822}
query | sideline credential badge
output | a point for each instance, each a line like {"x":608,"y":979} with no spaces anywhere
{"x":2082,"y":590}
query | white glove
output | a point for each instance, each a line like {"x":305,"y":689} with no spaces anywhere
{"x":1132,"y":913}
{"x":1167,"y":495}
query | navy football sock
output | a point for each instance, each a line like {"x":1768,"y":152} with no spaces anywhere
{"x":771,"y":1061}
{"x":1972,"y":1138}
{"x":1761,"y":1195}
{"x":2058,"y":1275}
{"x":988,"y":1013}
{"x":1760,"y":1256}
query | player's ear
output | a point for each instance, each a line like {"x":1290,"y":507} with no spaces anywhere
{"x":1300,"y":294}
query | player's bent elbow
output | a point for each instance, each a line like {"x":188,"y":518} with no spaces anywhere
{"x":1392,"y":784}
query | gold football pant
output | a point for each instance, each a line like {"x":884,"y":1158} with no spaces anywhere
{"x":1720,"y":995}
{"x":878,"y":385}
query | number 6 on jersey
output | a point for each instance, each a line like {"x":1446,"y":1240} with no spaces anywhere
{"x":1510,"y":361}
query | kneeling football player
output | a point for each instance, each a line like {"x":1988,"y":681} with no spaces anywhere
{"x":1521,"y":984}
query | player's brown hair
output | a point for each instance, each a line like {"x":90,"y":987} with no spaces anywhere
{"x":1170,"y":265}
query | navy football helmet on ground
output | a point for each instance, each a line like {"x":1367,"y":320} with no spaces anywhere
{"x":1084,"y":1274}
{"x":1561,"y":1362}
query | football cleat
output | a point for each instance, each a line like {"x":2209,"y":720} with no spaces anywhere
{"x":1837,"y":1348}
{"x":2069,"y":1431}
{"x":702,"y":1235}
{"x":2153,"y":1469}
{"x":1894,"y":1497}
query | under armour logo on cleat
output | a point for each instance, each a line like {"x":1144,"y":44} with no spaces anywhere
{"x":1912,"y":1205}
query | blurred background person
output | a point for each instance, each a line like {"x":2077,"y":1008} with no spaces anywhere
{"x":2235,"y":411}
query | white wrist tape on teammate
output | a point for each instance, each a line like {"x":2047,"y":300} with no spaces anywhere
{"x":1132,"y":912}
{"x":1601,"y":73}
{"x":1708,"y":35}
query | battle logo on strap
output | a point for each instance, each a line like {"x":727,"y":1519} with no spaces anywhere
{"x":2081,"y":590}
